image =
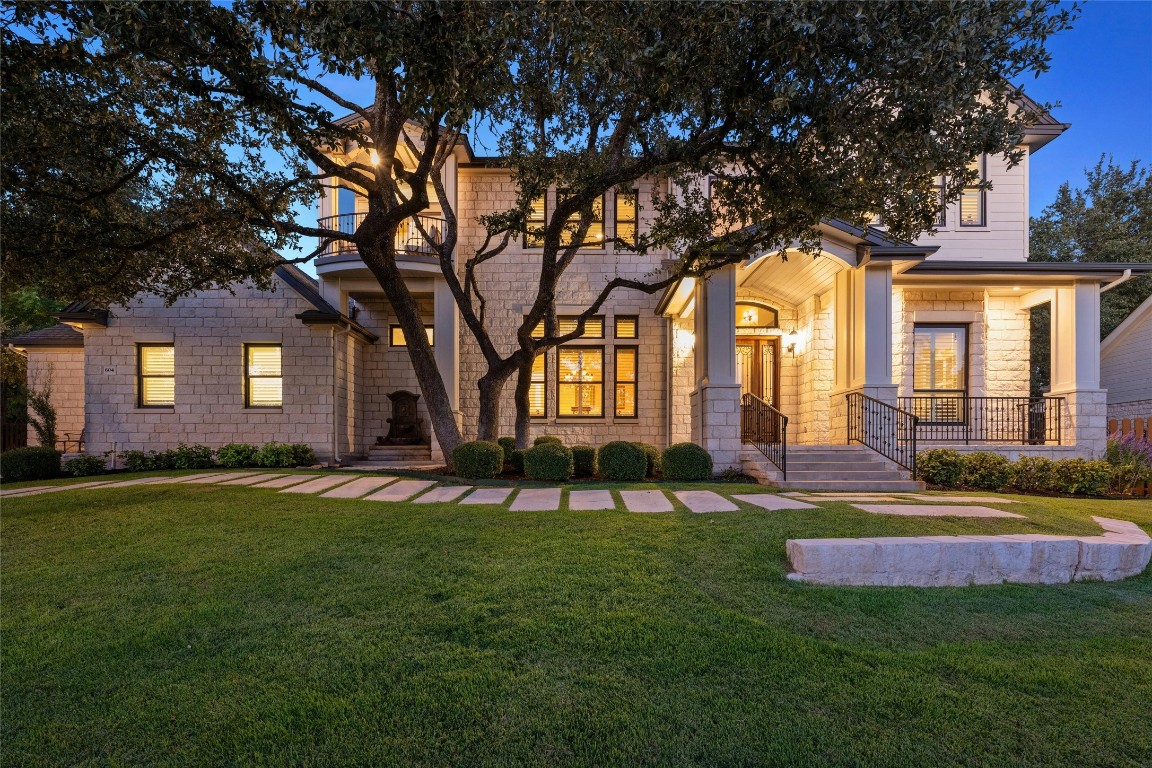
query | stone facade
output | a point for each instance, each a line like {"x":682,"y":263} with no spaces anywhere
{"x":61,"y":369}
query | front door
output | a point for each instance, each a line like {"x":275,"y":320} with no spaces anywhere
{"x":758,"y":366}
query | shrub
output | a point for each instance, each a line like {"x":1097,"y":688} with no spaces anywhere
{"x":478,"y":459}
{"x":508,"y":444}
{"x":141,"y":461}
{"x":84,"y":466}
{"x":583,"y":461}
{"x":547,"y":439}
{"x":548,"y":461}
{"x":986,"y":471}
{"x":1033,"y":474}
{"x":687,"y":461}
{"x":235,"y":455}
{"x":192,"y":457}
{"x":39,"y":463}
{"x":302,"y":454}
{"x":516,"y":459}
{"x":652,"y":454}
{"x":1131,"y":460}
{"x":619,"y":460}
{"x":1082,"y":476}
{"x":276,"y":454}
{"x":941,"y":466}
{"x":42,"y":418}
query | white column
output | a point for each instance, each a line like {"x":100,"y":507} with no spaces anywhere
{"x":716,"y":400}
{"x":863,"y":341}
{"x":1076,"y":366}
{"x":446,"y":342}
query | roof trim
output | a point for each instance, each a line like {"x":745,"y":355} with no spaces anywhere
{"x":1096,"y":270}
{"x":1134,"y":317}
{"x":59,"y":336}
{"x":82,"y":312}
{"x":316,"y":317}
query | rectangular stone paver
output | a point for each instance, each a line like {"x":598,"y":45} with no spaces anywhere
{"x":964,"y":499}
{"x":251,"y":479}
{"x":137,"y":481}
{"x":487,"y":496}
{"x":285,"y":481}
{"x":57,"y":488}
{"x":705,"y":501}
{"x":536,"y":500}
{"x":934,"y":510}
{"x":401,"y":490}
{"x":586,"y":500}
{"x":646,"y":501}
{"x":771,"y":501}
{"x":357,"y":488}
{"x":829,"y":498}
{"x":322,"y":483}
{"x":218,"y":477}
{"x":203,"y":475}
{"x":26,"y":489}
{"x":444,"y":493}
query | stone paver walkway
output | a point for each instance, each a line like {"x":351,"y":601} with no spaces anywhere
{"x":934,"y":510}
{"x":136,"y":481}
{"x":487,"y":496}
{"x":357,"y":488}
{"x":40,"y":489}
{"x":318,"y":484}
{"x":771,"y":501}
{"x":443,"y":494}
{"x":536,"y":500}
{"x":705,"y":501}
{"x":251,"y":479}
{"x":213,"y":478}
{"x":287,"y":480}
{"x":646,"y":501}
{"x":583,"y":501}
{"x":405,"y":489}
{"x":962,"y":499}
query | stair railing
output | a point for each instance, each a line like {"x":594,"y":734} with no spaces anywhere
{"x":884,"y":428}
{"x":765,"y":428}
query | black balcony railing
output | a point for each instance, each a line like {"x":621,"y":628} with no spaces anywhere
{"x":961,"y":419}
{"x":886,"y":429}
{"x":766,"y":428}
{"x":417,"y":235}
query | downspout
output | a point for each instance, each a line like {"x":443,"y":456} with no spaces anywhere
{"x":1118,"y":281}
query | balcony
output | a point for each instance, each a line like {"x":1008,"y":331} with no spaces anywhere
{"x":416,"y":236}
{"x":1004,"y":420}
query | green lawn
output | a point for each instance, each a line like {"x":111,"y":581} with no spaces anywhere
{"x":199,"y":625}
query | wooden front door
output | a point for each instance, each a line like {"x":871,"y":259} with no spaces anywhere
{"x":758,"y":366}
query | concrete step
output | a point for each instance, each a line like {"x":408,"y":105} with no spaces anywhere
{"x":864,"y":474}
{"x":834,"y":466}
{"x":852,"y":485}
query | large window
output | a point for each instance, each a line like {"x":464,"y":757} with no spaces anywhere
{"x":594,"y":237}
{"x":537,"y":219}
{"x":155,"y":375}
{"x":627,"y":219}
{"x":538,"y":389}
{"x":580,"y":382}
{"x":626,"y":376}
{"x":263,"y":376}
{"x":972,"y":199}
{"x":940,"y":372}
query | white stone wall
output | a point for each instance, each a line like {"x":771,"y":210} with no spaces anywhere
{"x":811,"y":425}
{"x":62,"y":369}
{"x":209,"y":330}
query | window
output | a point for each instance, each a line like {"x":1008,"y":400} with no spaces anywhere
{"x":627,"y":217}
{"x":941,"y":208}
{"x":593,"y":327}
{"x":580,"y":381}
{"x":594,"y":237}
{"x":627,"y":326}
{"x":396,"y":336}
{"x":538,"y":389}
{"x":972,"y":204}
{"x":345,"y":203}
{"x":626,"y":382}
{"x":537,"y":220}
{"x":263,"y":376}
{"x":940,"y":372}
{"x":155,"y":375}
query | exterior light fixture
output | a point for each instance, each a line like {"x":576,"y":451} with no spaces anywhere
{"x":790,"y":339}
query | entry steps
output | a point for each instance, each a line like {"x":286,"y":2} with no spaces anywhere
{"x":830,"y":467}
{"x":397,"y":457}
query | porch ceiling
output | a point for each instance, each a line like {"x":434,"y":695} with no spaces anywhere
{"x":793,"y":281}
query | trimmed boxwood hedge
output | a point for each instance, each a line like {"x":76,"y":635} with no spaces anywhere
{"x":623,"y":461}
{"x":652,"y":453}
{"x":507,"y":444}
{"x":35,"y":463}
{"x":547,"y":439}
{"x":548,"y":461}
{"x":687,"y":461}
{"x":478,"y":459}
{"x":84,"y":466}
{"x":233,"y":455}
{"x":516,"y":459}
{"x":583,"y":461}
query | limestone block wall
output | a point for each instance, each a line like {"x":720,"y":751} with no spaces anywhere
{"x":1136,"y":409}
{"x":815,"y":361}
{"x":1006,"y":341}
{"x":209,"y":330}
{"x":962,"y":307}
{"x":63,"y":370}
{"x":683,"y":380}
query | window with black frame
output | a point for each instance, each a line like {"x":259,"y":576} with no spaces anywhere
{"x":940,"y":373}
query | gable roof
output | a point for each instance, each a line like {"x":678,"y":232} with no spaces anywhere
{"x":1142,"y":313}
{"x":59,"y":336}
{"x":322,"y":313}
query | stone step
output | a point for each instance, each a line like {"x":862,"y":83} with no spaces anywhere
{"x":400,"y":450}
{"x":832,"y":467}
{"x":851,"y":485}
{"x":855,"y":474}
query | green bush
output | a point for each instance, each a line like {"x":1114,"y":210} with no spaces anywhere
{"x":687,"y":461}
{"x":623,"y":461}
{"x":548,"y":461}
{"x":303,"y":455}
{"x":1033,"y":474}
{"x":235,"y":455}
{"x":150,"y":461}
{"x":478,"y":459}
{"x":516,"y":459}
{"x":547,"y":439}
{"x":84,"y":466}
{"x":39,"y":463}
{"x":941,"y":466}
{"x":508,"y":444}
{"x":192,"y":457}
{"x":1082,"y":477}
{"x":986,"y":471}
{"x":652,"y":453}
{"x":583,"y":461}
{"x":276,"y":454}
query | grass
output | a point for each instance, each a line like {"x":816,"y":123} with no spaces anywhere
{"x":198,"y":625}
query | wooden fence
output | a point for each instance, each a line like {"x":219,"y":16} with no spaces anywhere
{"x":1142,"y":428}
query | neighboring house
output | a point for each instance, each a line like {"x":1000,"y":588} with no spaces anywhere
{"x":849,"y":346}
{"x":1126,"y":365}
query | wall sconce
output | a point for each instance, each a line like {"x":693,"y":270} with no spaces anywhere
{"x":791,"y":338}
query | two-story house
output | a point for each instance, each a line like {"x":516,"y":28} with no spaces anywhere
{"x":880,"y":344}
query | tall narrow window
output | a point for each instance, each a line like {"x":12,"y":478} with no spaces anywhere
{"x":626,"y":371}
{"x":155,"y":375}
{"x":627,"y":212}
{"x":940,"y":372}
{"x":263,"y":376}
{"x":580,"y":382}
{"x":972,"y":199}
{"x":538,"y":389}
{"x":594,"y":237}
{"x":537,"y":220}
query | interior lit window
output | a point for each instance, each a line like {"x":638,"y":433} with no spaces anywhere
{"x":972,"y":199}
{"x":940,"y":372}
{"x":396,"y":336}
{"x":941,"y":208}
{"x":627,"y":212}
{"x":626,"y":376}
{"x":537,"y":220}
{"x":580,"y":381}
{"x":593,"y":327}
{"x":263,"y":376}
{"x":155,"y":375}
{"x":538,"y":390}
{"x":594,"y":237}
{"x":627,"y":326}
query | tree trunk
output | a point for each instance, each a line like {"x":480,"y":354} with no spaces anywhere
{"x":523,"y":409}
{"x":491,"y":386}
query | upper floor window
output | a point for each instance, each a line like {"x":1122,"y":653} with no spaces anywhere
{"x":941,"y":207}
{"x":972,"y":199}
{"x":396,"y":336}
{"x":627,"y":217}
{"x":537,"y":219}
{"x":263,"y":376}
{"x":594,"y":237}
{"x":155,"y":375}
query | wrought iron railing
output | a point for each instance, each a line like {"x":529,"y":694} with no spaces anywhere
{"x":884,"y":428}
{"x":416,"y":235}
{"x":767,"y":429}
{"x":961,"y":419}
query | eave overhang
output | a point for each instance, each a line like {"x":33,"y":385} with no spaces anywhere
{"x":337,"y":320}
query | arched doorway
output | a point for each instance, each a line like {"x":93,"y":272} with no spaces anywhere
{"x":757,"y":352}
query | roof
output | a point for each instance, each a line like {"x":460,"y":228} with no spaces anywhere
{"x":322,"y":313}
{"x":1045,"y":128}
{"x":83,"y":312}
{"x":59,"y":335}
{"x":1142,"y":313}
{"x":1080,"y":269}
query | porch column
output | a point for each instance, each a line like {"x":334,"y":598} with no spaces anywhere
{"x":1076,"y":367}
{"x":863,"y":347}
{"x":446,"y":348}
{"x":716,"y":398}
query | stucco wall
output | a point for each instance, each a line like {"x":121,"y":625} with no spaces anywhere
{"x":63,"y":370}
